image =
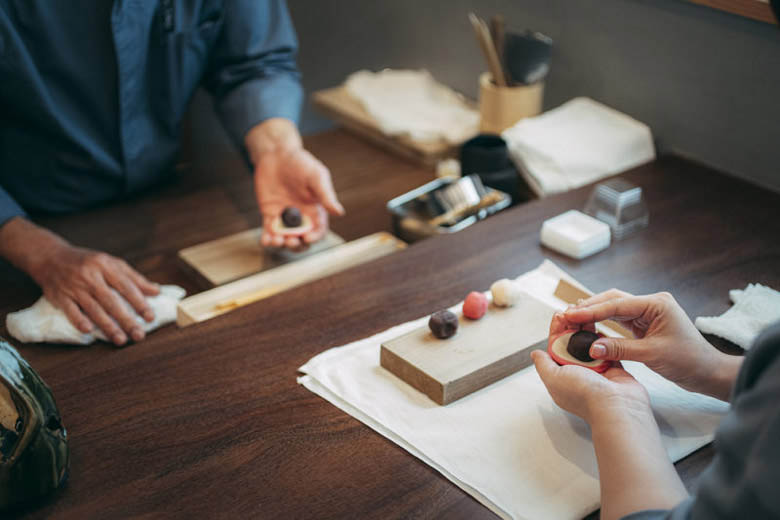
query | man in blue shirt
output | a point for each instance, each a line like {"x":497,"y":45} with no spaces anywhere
{"x":92,"y":94}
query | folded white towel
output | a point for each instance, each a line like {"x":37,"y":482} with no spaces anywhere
{"x":411,"y":102}
{"x":575,"y":144}
{"x":755,"y":308}
{"x":44,"y":323}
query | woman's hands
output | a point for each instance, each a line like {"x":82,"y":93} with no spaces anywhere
{"x":286,"y":174}
{"x":665,"y":340}
{"x":588,"y":394}
{"x":83,"y":283}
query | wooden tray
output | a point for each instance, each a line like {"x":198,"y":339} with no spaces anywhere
{"x":239,"y":255}
{"x":225,"y":298}
{"x":337,"y":104}
{"x":481,"y":353}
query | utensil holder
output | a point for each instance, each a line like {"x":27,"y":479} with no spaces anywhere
{"x":502,"y":107}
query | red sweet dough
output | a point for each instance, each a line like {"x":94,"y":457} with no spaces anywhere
{"x":557,"y":349}
{"x":475,"y":305}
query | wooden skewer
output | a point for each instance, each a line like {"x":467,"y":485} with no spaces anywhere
{"x":488,"y":49}
{"x":497,"y":32}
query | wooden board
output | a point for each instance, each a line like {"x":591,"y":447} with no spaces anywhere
{"x":481,"y":353}
{"x":225,"y":298}
{"x":239,"y":255}
{"x":337,"y":104}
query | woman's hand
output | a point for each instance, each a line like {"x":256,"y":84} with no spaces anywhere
{"x":588,"y":394}
{"x":286,"y":174}
{"x":86,"y":285}
{"x":665,"y":340}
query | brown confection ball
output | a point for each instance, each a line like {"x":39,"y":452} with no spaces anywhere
{"x":291,"y":217}
{"x":443,"y":324}
{"x":579,"y":345}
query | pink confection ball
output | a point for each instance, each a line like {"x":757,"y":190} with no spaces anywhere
{"x":475,"y":305}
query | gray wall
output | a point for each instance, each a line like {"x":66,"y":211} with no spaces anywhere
{"x":707,"y":82}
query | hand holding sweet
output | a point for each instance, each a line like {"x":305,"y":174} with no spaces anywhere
{"x":287,"y":175}
{"x":664,"y":339}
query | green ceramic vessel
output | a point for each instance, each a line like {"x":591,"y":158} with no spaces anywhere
{"x":34,"y":452}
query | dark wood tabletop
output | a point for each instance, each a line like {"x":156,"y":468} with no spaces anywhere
{"x":209,"y":422}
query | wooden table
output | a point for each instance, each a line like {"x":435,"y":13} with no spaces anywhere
{"x":209,"y":421}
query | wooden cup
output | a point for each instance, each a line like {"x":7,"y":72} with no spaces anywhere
{"x":502,"y":107}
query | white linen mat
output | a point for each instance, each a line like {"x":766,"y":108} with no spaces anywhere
{"x":507,"y":445}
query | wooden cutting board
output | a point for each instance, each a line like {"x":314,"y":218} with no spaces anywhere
{"x":236,"y":256}
{"x":481,"y":353}
{"x":256,"y":287}
{"x":337,"y":104}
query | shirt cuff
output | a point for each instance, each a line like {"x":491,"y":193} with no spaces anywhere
{"x":9,"y":208}
{"x":258,"y":99}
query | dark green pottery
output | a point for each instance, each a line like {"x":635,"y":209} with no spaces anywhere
{"x":33,"y":442}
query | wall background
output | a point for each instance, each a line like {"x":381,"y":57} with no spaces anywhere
{"x":707,"y":82}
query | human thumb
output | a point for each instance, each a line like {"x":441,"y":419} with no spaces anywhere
{"x":615,"y":349}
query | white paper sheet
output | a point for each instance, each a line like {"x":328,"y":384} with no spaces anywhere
{"x":508,"y":445}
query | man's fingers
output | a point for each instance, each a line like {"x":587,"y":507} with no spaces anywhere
{"x":322,"y":188}
{"x":112,"y":304}
{"x":76,"y":317}
{"x":616,"y":349}
{"x":130,"y":292}
{"x":104,"y":322}
{"x":147,"y":287}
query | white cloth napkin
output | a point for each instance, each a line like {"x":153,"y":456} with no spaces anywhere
{"x":507,"y":445}
{"x":44,"y":323}
{"x":575,"y":144}
{"x":755,"y":308}
{"x":411,"y":102}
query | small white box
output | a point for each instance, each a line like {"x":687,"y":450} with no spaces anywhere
{"x":575,"y":234}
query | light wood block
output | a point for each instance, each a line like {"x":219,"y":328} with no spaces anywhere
{"x":337,"y":104}
{"x":222,"y":299}
{"x":481,"y":353}
{"x":239,"y":255}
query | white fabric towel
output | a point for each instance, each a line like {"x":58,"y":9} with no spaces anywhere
{"x":411,"y":102}
{"x":755,"y":308}
{"x":575,"y":144}
{"x":44,"y":323}
{"x":508,"y":445}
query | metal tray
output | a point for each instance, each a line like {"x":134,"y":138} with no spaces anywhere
{"x":413,"y":211}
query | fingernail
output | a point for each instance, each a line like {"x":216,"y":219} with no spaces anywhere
{"x":597,"y":350}
{"x":137,"y":334}
{"x":119,"y":338}
{"x":148,"y":315}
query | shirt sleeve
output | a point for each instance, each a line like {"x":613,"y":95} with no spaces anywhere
{"x":252,"y":71}
{"x":9,"y":208}
{"x":742,"y":481}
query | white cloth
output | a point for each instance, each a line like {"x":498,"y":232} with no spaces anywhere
{"x":508,"y":445}
{"x":755,"y":308}
{"x":575,"y":144}
{"x":411,"y":102}
{"x":44,"y":323}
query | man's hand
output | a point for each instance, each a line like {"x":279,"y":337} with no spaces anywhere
{"x":80,"y":282}
{"x":288,"y":175}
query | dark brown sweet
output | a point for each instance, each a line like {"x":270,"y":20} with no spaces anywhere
{"x":291,"y":217}
{"x":579,"y":345}
{"x":443,"y":324}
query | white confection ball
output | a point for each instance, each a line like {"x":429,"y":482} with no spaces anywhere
{"x":505,"y":293}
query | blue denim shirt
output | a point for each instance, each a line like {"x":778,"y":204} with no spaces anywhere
{"x":92,"y":92}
